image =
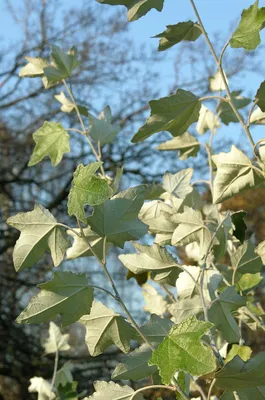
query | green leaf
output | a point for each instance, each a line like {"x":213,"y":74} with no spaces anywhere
{"x":174,"y":34}
{"x":67,"y":294}
{"x":173,"y":114}
{"x":64,"y":375}
{"x":67,"y":392}
{"x":182,"y":350}
{"x":104,"y":327}
{"x":247,"y":282}
{"x":191,"y":228}
{"x":116,"y":181}
{"x":207,"y":121}
{"x":260,"y":250}
{"x":235,"y":173}
{"x":117,"y":219}
{"x":56,"y":341}
{"x":135,"y":366}
{"x":156,"y":214}
{"x":40,"y":232}
{"x":101,"y":129}
{"x":154,"y":302}
{"x":244,"y":352}
{"x":80,"y":247}
{"x":62,"y":66}
{"x":87,"y":189}
{"x":178,"y":184}
{"x":237,"y":374}
{"x":220,"y":313}
{"x":51,"y":140}
{"x":153,"y":191}
{"x":225,"y":111}
{"x":247,"y":34}
{"x":34,"y":68}
{"x":260,"y":95}
{"x":186,"y":145}
{"x":136,"y":8}
{"x":246,"y":260}
{"x":42,"y":387}
{"x":112,"y":391}
{"x":156,"y":329}
{"x":185,"y":308}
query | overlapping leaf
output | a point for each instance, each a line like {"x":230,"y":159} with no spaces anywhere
{"x":56,"y":341}
{"x":183,"y":350}
{"x":178,"y":184}
{"x":42,"y":387}
{"x":52,"y":140}
{"x":260,"y":95}
{"x":101,"y":129}
{"x":207,"y":121}
{"x":156,"y":329}
{"x":104,"y":327}
{"x":185,"y":308}
{"x":225,"y":111}
{"x":117,"y":219}
{"x":40,"y":232}
{"x":67,"y":294}
{"x":186,"y":145}
{"x":174,"y":34}
{"x":62,"y":65}
{"x":34,"y":68}
{"x":235,"y":173}
{"x":64,"y":375}
{"x":173,"y":114}
{"x":80,"y":247}
{"x":154,"y":301}
{"x":156,"y":214}
{"x":112,"y":391}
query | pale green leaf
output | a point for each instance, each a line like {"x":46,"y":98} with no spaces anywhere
{"x":185,"y":308}
{"x":247,"y":34}
{"x":220,"y":313}
{"x":186,"y":145}
{"x":42,"y":387}
{"x":207,"y":121}
{"x":64,"y":375}
{"x":136,"y":8}
{"x":101,"y":129}
{"x":135,"y":366}
{"x":67,"y":294}
{"x":104,"y":327}
{"x":257,"y":117}
{"x":156,"y":214}
{"x":174,"y":34}
{"x":87,"y":189}
{"x":40,"y":232}
{"x":67,"y":105}
{"x":117,"y":219}
{"x":244,"y":352}
{"x":34,"y":68}
{"x":235,"y":173}
{"x":183,"y":350}
{"x":112,"y":391}
{"x":156,"y":329}
{"x":260,"y":250}
{"x":55,"y":341}
{"x":154,"y":302}
{"x":173,"y":114}
{"x":80,"y":247}
{"x":217,"y":83}
{"x":178,"y":184}
{"x":51,"y":140}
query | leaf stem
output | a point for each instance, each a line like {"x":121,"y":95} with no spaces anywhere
{"x":173,"y":389}
{"x":251,"y":111}
{"x":168,"y":292}
{"x":56,"y":360}
{"x":211,"y":389}
{"x":70,"y":229}
{"x":205,"y":98}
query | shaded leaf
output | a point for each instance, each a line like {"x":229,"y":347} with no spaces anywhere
{"x":225,"y":111}
{"x":186,"y":145}
{"x":62,"y":65}
{"x":153,"y":191}
{"x":80,"y":247}
{"x":67,"y":392}
{"x":185,"y":308}
{"x":156,"y":329}
{"x":101,"y":129}
{"x":64,"y":375}
{"x":174,"y":34}
{"x":260,"y":95}
{"x":67,"y":294}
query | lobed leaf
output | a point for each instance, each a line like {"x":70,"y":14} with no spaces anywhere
{"x":174,"y":34}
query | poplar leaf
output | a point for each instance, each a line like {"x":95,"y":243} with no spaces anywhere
{"x":34,"y":68}
{"x":178,"y":184}
{"x":235,"y":173}
{"x":62,"y":65}
{"x":173,"y":114}
{"x":67,"y":392}
{"x":87,"y":189}
{"x":67,"y":294}
{"x":185,"y":144}
{"x":154,"y":302}
{"x":183,"y":350}
{"x":156,"y":214}
{"x":244,"y":352}
{"x":246,"y":259}
{"x":207,"y":121}
{"x":136,"y":8}
{"x":67,"y":105}
{"x":174,"y":34}
{"x":135,"y":366}
{"x":104,"y":327}
{"x":51,"y":140}
{"x":101,"y":129}
{"x":156,"y":329}
{"x":225,"y":111}
{"x":42,"y":387}
{"x":185,"y":308}
{"x":112,"y":391}
{"x":40,"y":232}
{"x":257,"y":117}
{"x":260,"y":95}
{"x":247,"y":34}
{"x":80,"y":247}
{"x":56,"y":341}
{"x":64,"y":375}
{"x":217,"y":82}
{"x":117,"y":218}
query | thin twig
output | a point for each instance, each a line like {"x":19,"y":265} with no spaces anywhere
{"x":173,"y":389}
{"x":205,"y":98}
{"x":211,"y":388}
{"x":56,"y":360}
{"x":168,"y":292}
{"x":251,"y":111}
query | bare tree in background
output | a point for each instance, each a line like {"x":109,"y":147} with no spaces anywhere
{"x":113,"y":71}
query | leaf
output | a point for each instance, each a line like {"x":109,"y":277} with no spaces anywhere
{"x":154,"y":302}
{"x":136,"y":8}
{"x":244,"y":352}
{"x":220,"y":313}
{"x":62,"y":66}
{"x":178,"y":184}
{"x":207,"y":121}
{"x":247,"y":34}
{"x":173,"y":114}
{"x":51,"y":140}
{"x":104,"y":327}
{"x":67,"y":294}
{"x":64,"y":375}
{"x":42,"y":387}
{"x":40,"y":232}
{"x":116,"y":181}
{"x":67,"y":392}
{"x":185,"y":308}
{"x":246,"y":260}
{"x":153,"y":191}
{"x":247,"y":282}
{"x":117,"y":219}
{"x":141,"y":279}
{"x":260,"y":250}
{"x":67,"y":105}
{"x":135,"y":366}
{"x":240,"y":227}
{"x":260,"y":95}
{"x":182,"y":350}
{"x":235,"y":173}
{"x":257,"y":117}
{"x":34,"y":68}
{"x":237,"y":374}
{"x":56,"y":341}
{"x":156,"y":329}
{"x":174,"y":34}
{"x":156,"y":214}
{"x":216,"y":82}
{"x":225,"y":111}
{"x":186,"y":145}
{"x":80,"y":247}
{"x":87,"y":189}
{"x":101,"y":129}
{"x":112,"y":391}
{"x":191,"y":228}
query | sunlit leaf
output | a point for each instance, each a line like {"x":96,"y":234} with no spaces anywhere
{"x":80,"y":246}
{"x":185,"y":144}
{"x":154,"y":302}
{"x":178,"y":184}
{"x":42,"y":387}
{"x":112,"y":391}
{"x":56,"y":341}
{"x":34,"y":68}
{"x":216,"y":82}
{"x":207,"y":121}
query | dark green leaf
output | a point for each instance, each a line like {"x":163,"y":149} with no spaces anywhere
{"x":176,"y":33}
{"x":225,"y":111}
{"x":260,"y":96}
{"x":101,"y":129}
{"x":62,"y":66}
